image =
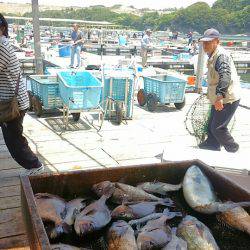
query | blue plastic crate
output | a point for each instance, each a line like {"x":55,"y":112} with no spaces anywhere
{"x":118,"y":91}
{"x":168,"y":89}
{"x":47,"y":89}
{"x":80,"y":90}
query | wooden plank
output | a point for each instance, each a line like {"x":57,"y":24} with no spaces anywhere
{"x":8,"y":163}
{"x":8,"y":214}
{"x":10,"y":202}
{"x":4,"y":154}
{"x":11,"y":181}
{"x":10,"y":173}
{"x":9,"y":191}
{"x":13,"y":224}
{"x":15,"y":242}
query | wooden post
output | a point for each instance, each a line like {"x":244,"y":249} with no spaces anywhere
{"x":37,"y":43}
{"x":200,"y":68}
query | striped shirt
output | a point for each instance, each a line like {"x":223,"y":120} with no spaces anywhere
{"x":9,"y":73}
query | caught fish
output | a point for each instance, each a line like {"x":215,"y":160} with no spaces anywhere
{"x":73,"y":208}
{"x":154,"y":235}
{"x":159,"y":187}
{"x":200,"y":195}
{"x":93,"y":217}
{"x":236,"y":218}
{"x":61,"y":246}
{"x":121,"y":236}
{"x":176,"y":243}
{"x":53,"y":208}
{"x":154,"y":216}
{"x":138,"y":210}
{"x":123,"y":192}
{"x":196,"y":234}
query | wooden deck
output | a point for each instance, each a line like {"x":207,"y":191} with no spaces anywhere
{"x":142,"y":140}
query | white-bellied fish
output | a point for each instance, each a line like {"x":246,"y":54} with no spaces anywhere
{"x":200,"y":195}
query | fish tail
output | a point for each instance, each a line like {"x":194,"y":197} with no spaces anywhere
{"x":222,"y":207}
{"x":243,"y":204}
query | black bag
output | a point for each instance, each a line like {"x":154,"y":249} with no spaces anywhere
{"x":9,"y":109}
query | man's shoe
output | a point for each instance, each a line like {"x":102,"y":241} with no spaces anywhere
{"x":34,"y":171}
{"x":232,"y":148}
{"x":207,"y":146}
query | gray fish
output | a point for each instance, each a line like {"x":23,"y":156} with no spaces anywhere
{"x":73,"y":208}
{"x":236,"y":218}
{"x":93,"y":217}
{"x":123,"y":192}
{"x":176,"y":243}
{"x":138,"y":210}
{"x":154,"y":216}
{"x":154,"y":235}
{"x":200,"y":195}
{"x":53,"y":208}
{"x":196,"y":234}
{"x":121,"y":237}
{"x":159,"y":187}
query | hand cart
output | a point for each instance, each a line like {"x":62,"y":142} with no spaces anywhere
{"x":162,"y":89}
{"x":80,"y":91}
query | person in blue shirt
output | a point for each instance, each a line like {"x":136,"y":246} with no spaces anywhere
{"x":77,"y":38}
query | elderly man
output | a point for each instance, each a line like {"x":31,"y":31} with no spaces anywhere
{"x":77,"y":38}
{"x":223,"y":93}
{"x":145,"y":47}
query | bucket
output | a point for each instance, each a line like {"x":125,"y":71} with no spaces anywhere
{"x":64,"y":50}
{"x":139,"y":69}
{"x":191,"y":80}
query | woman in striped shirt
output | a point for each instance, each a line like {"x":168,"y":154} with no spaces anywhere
{"x":13,"y":130}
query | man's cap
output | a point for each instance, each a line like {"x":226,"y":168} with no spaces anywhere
{"x":210,"y":35}
{"x":148,"y":30}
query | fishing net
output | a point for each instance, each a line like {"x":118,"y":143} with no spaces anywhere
{"x":197,"y":119}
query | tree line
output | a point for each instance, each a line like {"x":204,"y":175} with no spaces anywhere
{"x":228,"y":16}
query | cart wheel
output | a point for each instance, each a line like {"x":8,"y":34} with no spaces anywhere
{"x":142,"y":97}
{"x":76,"y":116}
{"x":30,"y":100}
{"x":152,"y":102}
{"x":118,"y":113}
{"x":37,"y":106}
{"x":180,"y":105}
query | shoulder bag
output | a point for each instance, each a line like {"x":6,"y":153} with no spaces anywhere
{"x":9,"y":109}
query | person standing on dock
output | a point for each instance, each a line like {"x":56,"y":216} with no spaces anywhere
{"x":78,"y":39}
{"x":11,"y":84}
{"x":223,"y":92}
{"x":145,"y":47}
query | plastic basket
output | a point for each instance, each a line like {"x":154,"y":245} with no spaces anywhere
{"x":47,"y":89}
{"x":64,"y":50}
{"x":80,"y":90}
{"x":168,"y":89}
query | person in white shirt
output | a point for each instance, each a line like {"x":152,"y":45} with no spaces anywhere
{"x":145,"y":47}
